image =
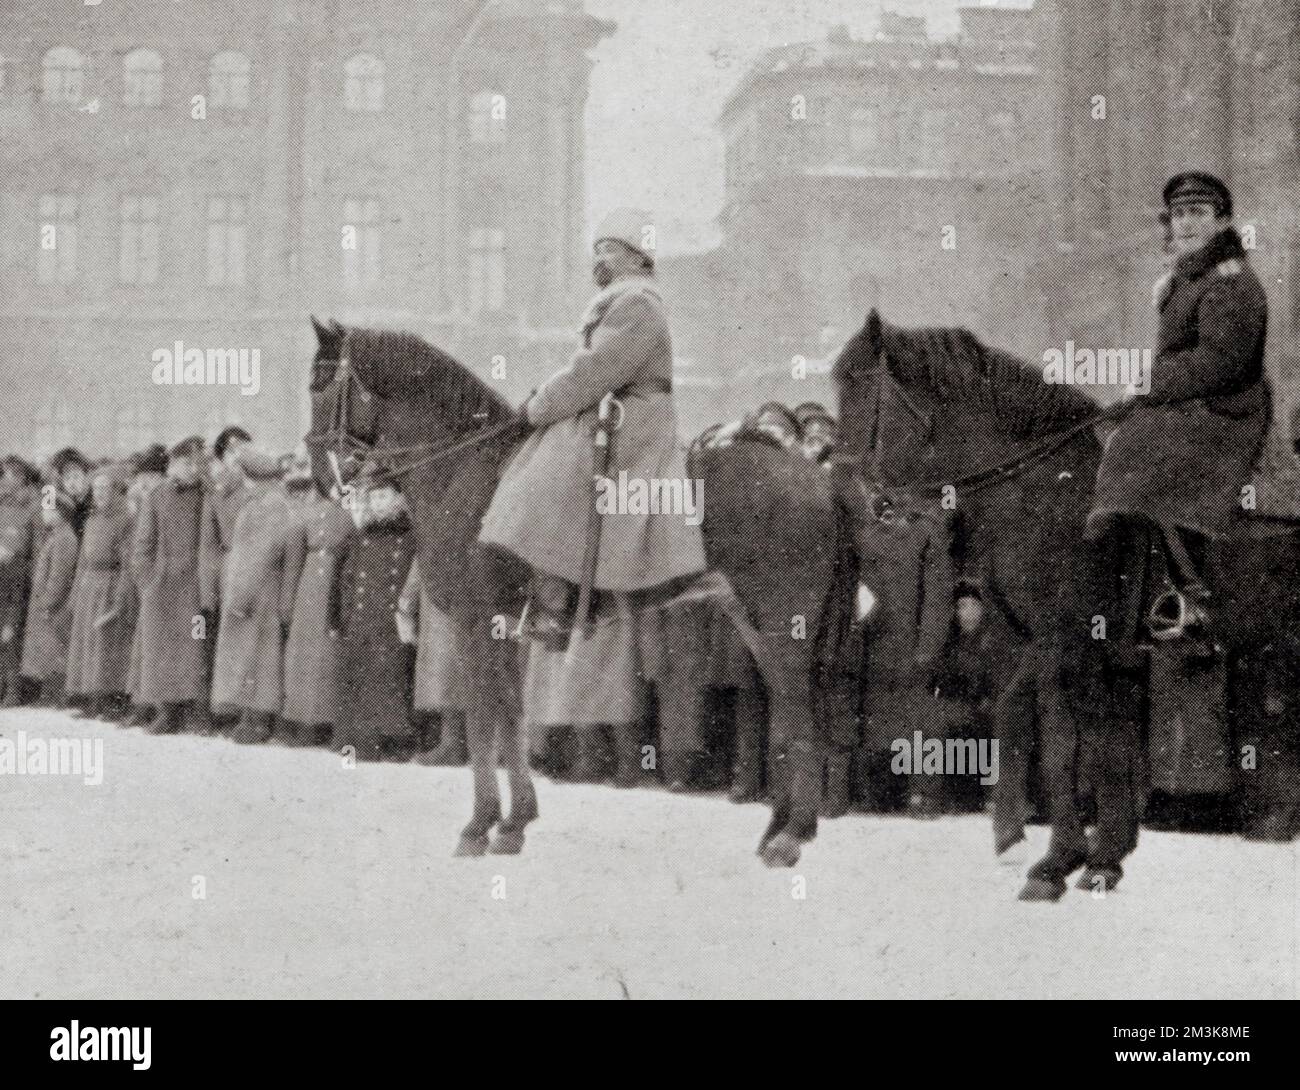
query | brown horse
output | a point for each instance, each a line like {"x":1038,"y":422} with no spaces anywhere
{"x":934,"y":417}
{"x":770,"y":527}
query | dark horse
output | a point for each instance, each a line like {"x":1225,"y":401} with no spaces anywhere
{"x":934,"y":415}
{"x":770,"y":527}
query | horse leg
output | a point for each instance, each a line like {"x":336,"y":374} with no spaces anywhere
{"x":480,"y":732}
{"x":509,"y":837}
{"x":1115,"y":765}
{"x":1013,"y":717}
{"x":1068,"y":849}
{"x":797,"y":755}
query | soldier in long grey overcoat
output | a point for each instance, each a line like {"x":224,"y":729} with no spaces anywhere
{"x":542,"y":508}
{"x":256,"y":609}
{"x":103,"y":621}
{"x":49,"y":608}
{"x":539,"y":512}
{"x":312,"y":660}
{"x":165,"y":561}
{"x":149,"y":468}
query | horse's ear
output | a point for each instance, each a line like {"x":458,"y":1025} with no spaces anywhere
{"x":874,"y":330}
{"x":321,"y":331}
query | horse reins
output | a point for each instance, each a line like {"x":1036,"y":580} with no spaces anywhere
{"x":338,"y":435}
{"x":976,"y":479}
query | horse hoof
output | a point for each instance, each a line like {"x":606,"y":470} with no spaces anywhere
{"x":1006,"y":839}
{"x":470,"y":846}
{"x":781,"y":851}
{"x":507,"y":842}
{"x":1040,"y":889}
{"x":1099,"y":879}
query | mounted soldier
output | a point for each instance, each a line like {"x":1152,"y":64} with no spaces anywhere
{"x":543,"y":509}
{"x":1183,"y":452}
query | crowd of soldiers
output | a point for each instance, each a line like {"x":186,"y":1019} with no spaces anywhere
{"x":217,"y":590}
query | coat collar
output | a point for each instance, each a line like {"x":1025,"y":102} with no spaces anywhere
{"x":604,"y":298}
{"x":1224,"y":246}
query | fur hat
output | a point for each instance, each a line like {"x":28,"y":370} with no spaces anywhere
{"x":260,"y":466}
{"x":21,"y":468}
{"x":813,"y":410}
{"x":69,"y":458}
{"x":153,"y":459}
{"x":190,"y":447}
{"x":226,"y":437}
{"x":632,"y":227}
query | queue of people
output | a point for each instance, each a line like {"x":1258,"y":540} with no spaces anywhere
{"x":218,"y":591}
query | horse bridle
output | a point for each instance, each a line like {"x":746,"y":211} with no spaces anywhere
{"x":870,"y":472}
{"x":419,"y":454}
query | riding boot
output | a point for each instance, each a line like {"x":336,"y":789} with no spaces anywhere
{"x":451,"y":750}
{"x":627,"y":754}
{"x":835,"y":794}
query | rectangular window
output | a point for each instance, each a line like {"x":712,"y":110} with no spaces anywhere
{"x":361,"y":242}
{"x":58,"y":239}
{"x":487,"y":270}
{"x":138,"y":263}
{"x":227,"y":241}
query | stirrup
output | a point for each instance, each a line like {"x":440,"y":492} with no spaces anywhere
{"x":1176,"y":615}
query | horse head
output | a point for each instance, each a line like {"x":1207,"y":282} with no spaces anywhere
{"x":886,"y":432}
{"x":344,"y":415}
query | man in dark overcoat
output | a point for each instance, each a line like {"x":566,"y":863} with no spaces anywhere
{"x":19,"y":501}
{"x":1184,"y":452}
{"x":165,"y":560}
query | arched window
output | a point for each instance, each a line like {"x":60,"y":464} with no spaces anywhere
{"x":63,"y":75}
{"x":142,"y":78}
{"x":228,"y":80}
{"x":363,"y":86}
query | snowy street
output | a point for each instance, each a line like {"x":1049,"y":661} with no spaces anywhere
{"x":318,"y":880}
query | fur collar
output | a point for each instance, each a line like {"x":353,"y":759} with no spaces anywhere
{"x":604,"y":299}
{"x":1225,"y":246}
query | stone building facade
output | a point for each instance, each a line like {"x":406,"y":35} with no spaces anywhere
{"x":900,"y":172}
{"x":213,"y":176}
{"x":1147,"y":89}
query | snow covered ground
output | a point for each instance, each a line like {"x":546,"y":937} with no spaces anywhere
{"x":321,"y":881}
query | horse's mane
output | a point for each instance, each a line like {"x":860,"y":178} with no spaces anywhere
{"x":402,"y":366}
{"x":956,"y":367}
